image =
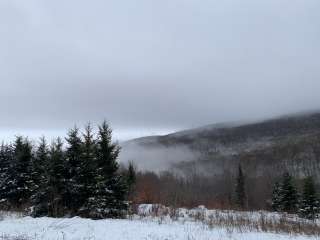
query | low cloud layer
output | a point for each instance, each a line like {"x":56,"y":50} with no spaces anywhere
{"x":155,"y":66}
{"x":157,"y":158}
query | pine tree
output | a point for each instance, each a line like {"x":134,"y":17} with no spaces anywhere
{"x":3,"y":164}
{"x":39,"y":165}
{"x":110,"y":189}
{"x":310,"y":206}
{"x":82,"y":180}
{"x":20,"y":180}
{"x":57,"y":188}
{"x":73,"y":157}
{"x":40,"y":176}
{"x":6,"y":170}
{"x":51,"y":198}
{"x":87,"y":170}
{"x":289,"y":194}
{"x":240,"y":189}
{"x":276,"y":197}
{"x":131,"y":178}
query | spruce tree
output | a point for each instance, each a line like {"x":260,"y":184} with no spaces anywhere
{"x":58,"y":181}
{"x":39,"y":165}
{"x":6,"y":171}
{"x":110,"y":187}
{"x":20,"y":179}
{"x":86,"y":174}
{"x":3,"y":164}
{"x":51,"y":199}
{"x":40,"y":175}
{"x":289,"y":194}
{"x":310,"y":206}
{"x":57,"y":187}
{"x":276,"y":197}
{"x":83,"y":179}
{"x":131,"y":178}
{"x":240,"y":189}
{"x":73,"y":157}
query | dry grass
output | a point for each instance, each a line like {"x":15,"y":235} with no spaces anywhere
{"x":238,"y":221}
{"x":264,"y":223}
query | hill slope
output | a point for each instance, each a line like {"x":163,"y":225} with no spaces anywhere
{"x":286,"y":142}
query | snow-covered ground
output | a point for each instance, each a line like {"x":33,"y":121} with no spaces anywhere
{"x":144,"y":228}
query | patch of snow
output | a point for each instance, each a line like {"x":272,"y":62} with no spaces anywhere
{"x":146,"y":228}
{"x":77,"y":229}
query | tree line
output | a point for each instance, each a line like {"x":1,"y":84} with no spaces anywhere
{"x":234,"y":192}
{"x":287,"y":198}
{"x":79,"y":178}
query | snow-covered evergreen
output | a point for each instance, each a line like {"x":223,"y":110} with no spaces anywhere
{"x":289,"y":194}
{"x":73,"y":162}
{"x":310,"y":205}
{"x":7,"y":180}
{"x":276,"y":197}
{"x":80,"y":178}
{"x":110,"y":188}
{"x":20,"y":183}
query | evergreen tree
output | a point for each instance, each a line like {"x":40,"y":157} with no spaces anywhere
{"x":277,"y":197}
{"x":57,"y":188}
{"x":289,"y":194}
{"x":87,"y":170}
{"x":82,"y":180}
{"x":110,"y":187}
{"x":20,"y":179}
{"x":40,"y":176}
{"x":310,"y":206}
{"x":131,"y":178}
{"x":3,"y":164}
{"x":39,"y":165}
{"x":240,"y":189}
{"x":73,"y":157}
{"x":51,"y":198}
{"x":6,"y":170}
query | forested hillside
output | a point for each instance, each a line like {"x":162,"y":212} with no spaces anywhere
{"x":208,"y":158}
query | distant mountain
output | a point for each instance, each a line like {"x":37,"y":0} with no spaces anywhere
{"x":290,"y":142}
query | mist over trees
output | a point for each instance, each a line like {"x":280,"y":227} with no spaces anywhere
{"x":81,"y":176}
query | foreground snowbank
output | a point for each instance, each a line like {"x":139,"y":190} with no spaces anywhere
{"x":84,"y":229}
{"x":153,"y":223}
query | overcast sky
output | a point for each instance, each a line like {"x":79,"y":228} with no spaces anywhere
{"x":154,"y":66}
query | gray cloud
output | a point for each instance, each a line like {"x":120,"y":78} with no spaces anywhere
{"x":156,"y":64}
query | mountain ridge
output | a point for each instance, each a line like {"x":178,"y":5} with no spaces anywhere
{"x":289,"y":142}
{"x":281,"y":123}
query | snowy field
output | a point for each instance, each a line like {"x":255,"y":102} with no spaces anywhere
{"x":15,"y":227}
{"x":77,"y":228}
